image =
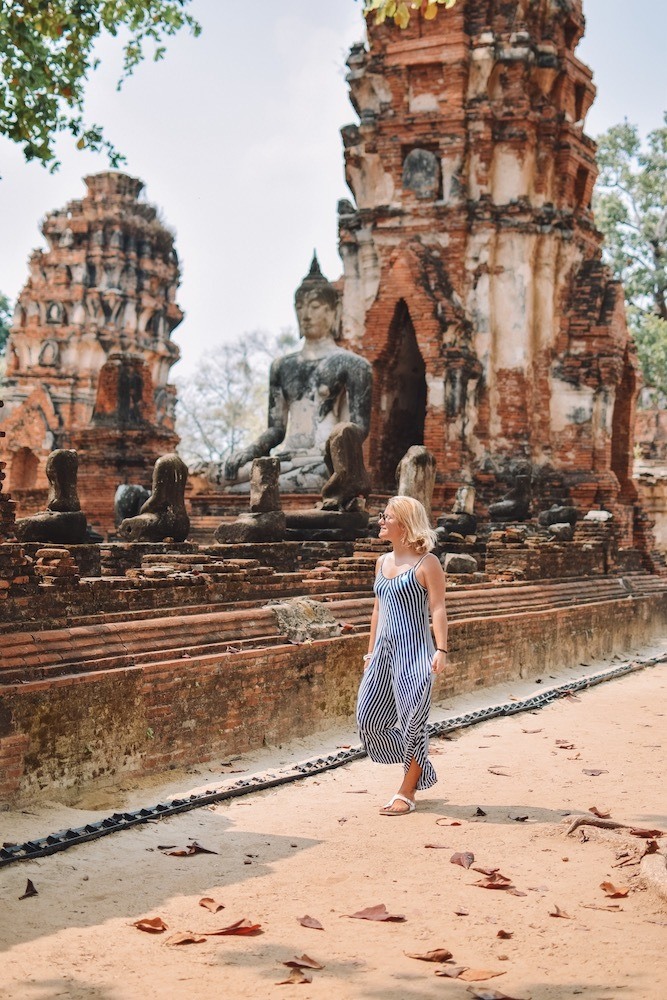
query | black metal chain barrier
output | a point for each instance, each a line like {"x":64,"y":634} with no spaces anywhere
{"x":43,"y":846}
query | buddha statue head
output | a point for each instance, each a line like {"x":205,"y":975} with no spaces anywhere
{"x":317,"y":304}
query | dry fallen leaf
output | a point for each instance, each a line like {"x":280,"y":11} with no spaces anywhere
{"x":305,"y":962}
{"x":186,"y":852}
{"x":531,"y":730}
{"x":594,"y":771}
{"x":505,"y":935}
{"x":565,"y":745}
{"x":211,"y":904}
{"x":484,"y":871}
{"x":488,"y":994}
{"x":378,"y":912}
{"x":186,"y":937}
{"x":310,"y":922}
{"x":451,"y":971}
{"x":437,"y":955}
{"x":154,"y":925}
{"x":638,"y":831}
{"x":494,"y":881}
{"x":29,"y":890}
{"x":444,"y":821}
{"x":479,"y":975}
{"x":241,"y":927}
{"x":295,"y":976}
{"x":602,"y":813}
{"x":461,"y":912}
{"x":438,"y":847}
{"x":614,"y":891}
{"x":463,"y":858}
{"x":557,"y":912}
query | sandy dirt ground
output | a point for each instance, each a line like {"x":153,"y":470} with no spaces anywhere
{"x":319,"y":848}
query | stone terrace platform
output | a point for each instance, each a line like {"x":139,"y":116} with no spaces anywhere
{"x":177,"y":654}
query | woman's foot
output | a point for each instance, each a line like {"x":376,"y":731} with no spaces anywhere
{"x":398,"y":805}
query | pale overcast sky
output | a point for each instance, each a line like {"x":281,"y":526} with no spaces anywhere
{"x":236,"y":136}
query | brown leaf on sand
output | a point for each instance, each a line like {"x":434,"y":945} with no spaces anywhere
{"x":29,"y":890}
{"x":378,"y":912}
{"x":494,"y":881}
{"x":650,"y":848}
{"x":463,"y":858}
{"x":557,"y":912}
{"x":497,"y":770}
{"x":505,"y":935}
{"x":451,"y":971}
{"x":614,"y":891}
{"x":480,"y":993}
{"x":437,"y":847}
{"x":479,"y":975}
{"x":640,"y":831}
{"x":444,"y":821}
{"x":186,"y":852}
{"x":484,"y":871}
{"x":296,"y":976}
{"x":460,"y":912}
{"x":565,"y":745}
{"x":305,"y":962}
{"x":531,"y":730}
{"x":211,"y":904}
{"x":154,"y":925}
{"x":437,"y":955}
{"x":241,"y":927}
{"x":593,"y":772}
{"x":601,"y":813}
{"x":310,"y":922}
{"x":187,"y":937}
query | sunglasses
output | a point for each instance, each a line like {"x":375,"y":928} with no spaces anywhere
{"x":384,"y":516}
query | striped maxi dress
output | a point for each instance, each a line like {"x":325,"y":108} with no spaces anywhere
{"x":395,"y":691}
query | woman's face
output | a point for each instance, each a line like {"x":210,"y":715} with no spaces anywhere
{"x":391,"y":529}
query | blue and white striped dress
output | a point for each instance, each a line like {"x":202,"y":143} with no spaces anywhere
{"x":395,"y":691}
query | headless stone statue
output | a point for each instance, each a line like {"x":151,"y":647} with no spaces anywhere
{"x":515,"y":505}
{"x":63,"y":520}
{"x":415,"y":476}
{"x":310,"y":391}
{"x":349,"y":483}
{"x":558,"y":514}
{"x":461,"y":519}
{"x":266,"y":521}
{"x":163,"y":515}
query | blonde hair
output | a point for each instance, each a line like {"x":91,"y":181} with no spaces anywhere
{"x":411,"y":515}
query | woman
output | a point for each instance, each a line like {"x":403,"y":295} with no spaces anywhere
{"x":395,"y":691}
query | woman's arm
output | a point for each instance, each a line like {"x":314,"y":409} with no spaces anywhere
{"x":374,"y":622}
{"x":434,"y":581}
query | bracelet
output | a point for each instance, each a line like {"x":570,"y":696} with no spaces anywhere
{"x":438,"y":650}
{"x":367,"y":656}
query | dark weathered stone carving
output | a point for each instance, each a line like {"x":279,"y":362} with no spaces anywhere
{"x":515,"y":505}
{"x":265,"y":522}
{"x":63,"y":520}
{"x":461,"y":520}
{"x":349,"y":484}
{"x":163,"y":515}
{"x":128,"y":501}
{"x":557,"y":514}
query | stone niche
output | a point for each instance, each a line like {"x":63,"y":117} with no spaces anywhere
{"x":473,"y":278}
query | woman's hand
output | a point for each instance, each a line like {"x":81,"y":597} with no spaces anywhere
{"x":439,"y":662}
{"x":367,"y":659}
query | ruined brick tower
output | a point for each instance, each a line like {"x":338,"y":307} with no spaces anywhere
{"x":473,"y":275}
{"x":103,"y":292}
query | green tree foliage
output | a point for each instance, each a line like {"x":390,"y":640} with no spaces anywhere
{"x":223,"y":405}
{"x":5,"y":321}
{"x":631,"y":211}
{"x":46,"y":55}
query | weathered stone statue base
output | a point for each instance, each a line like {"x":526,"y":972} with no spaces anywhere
{"x":306,"y":476}
{"x":515,"y":505}
{"x":164,"y":514}
{"x":326,"y":525}
{"x":63,"y":527}
{"x":253,"y":527}
{"x":460,"y":522}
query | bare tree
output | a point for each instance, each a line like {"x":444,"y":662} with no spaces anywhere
{"x":223,"y":404}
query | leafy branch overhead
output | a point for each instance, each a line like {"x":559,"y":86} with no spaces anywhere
{"x":47,"y":54}
{"x":401,"y":10}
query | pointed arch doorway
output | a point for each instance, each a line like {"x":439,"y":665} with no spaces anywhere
{"x":401,"y":375}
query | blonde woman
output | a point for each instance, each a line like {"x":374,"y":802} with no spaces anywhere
{"x":395,"y":691}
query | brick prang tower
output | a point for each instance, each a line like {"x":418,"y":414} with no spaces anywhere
{"x":473,"y":274}
{"x":105,"y":288}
